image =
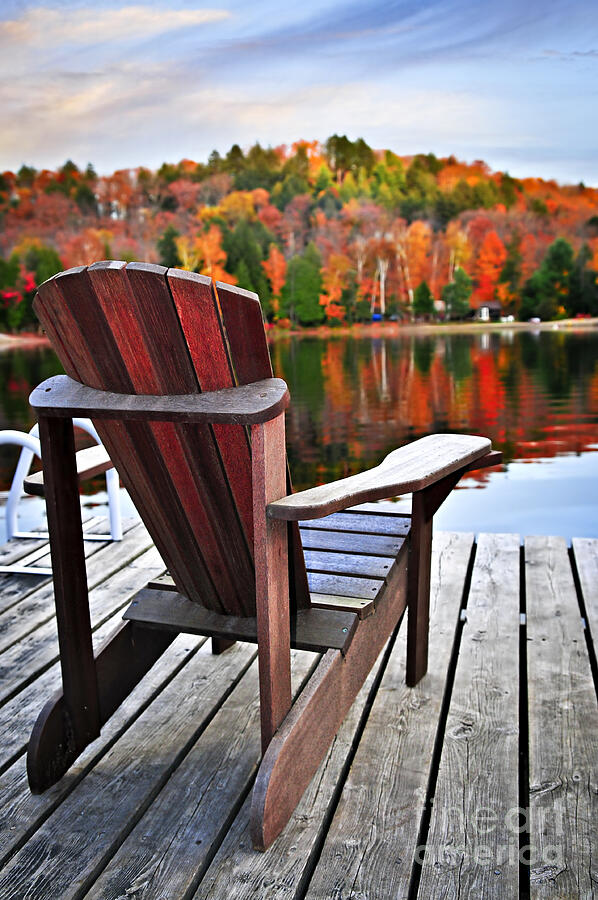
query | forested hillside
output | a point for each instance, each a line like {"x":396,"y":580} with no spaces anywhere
{"x":334,"y":232}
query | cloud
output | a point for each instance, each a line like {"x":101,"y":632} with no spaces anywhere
{"x":133,"y":104}
{"x":41,"y":26}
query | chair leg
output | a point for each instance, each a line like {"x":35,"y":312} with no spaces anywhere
{"x":271,"y":576}
{"x":418,"y":590}
{"x":220,"y":644}
{"x":92,"y":686}
{"x":121,"y":662}
{"x":80,"y":712}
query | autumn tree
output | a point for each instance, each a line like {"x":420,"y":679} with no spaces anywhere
{"x":212,"y":257}
{"x":275,"y":268}
{"x":488,"y":268}
{"x":333,"y":283}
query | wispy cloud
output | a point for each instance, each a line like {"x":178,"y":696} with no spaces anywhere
{"x":40,"y":26}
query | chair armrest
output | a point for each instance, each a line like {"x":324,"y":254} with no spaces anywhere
{"x":249,"y":404}
{"x":410,"y":468}
{"x":90,"y":461}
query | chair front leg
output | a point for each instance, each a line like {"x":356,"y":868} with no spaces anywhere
{"x":418,"y":589}
{"x":271,"y":576}
{"x":79,"y":676}
{"x":424,"y":506}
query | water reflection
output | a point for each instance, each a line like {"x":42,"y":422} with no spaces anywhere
{"x":355,"y":399}
{"x":534,"y":395}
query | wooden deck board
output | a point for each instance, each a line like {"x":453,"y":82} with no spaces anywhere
{"x":563,"y":730}
{"x":158,"y":805}
{"x":471,"y":848}
{"x":382,"y":803}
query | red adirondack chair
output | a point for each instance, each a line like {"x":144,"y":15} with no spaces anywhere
{"x":175,"y":373}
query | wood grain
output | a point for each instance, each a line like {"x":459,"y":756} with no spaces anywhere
{"x":36,"y":646}
{"x":173,"y":471}
{"x":120,"y":786}
{"x":372,"y":840}
{"x":249,"y":404}
{"x":90,"y":462}
{"x":410,"y":468}
{"x":563,"y":726}
{"x":309,"y":629}
{"x":360,"y":523}
{"x":23,"y":812}
{"x":243,"y":325}
{"x":191,"y":814}
{"x":299,"y":745}
{"x":38,"y":675}
{"x":472,"y":845}
{"x":282,"y":871}
{"x":586,"y":560}
{"x":71,"y":310}
{"x":268,"y":473}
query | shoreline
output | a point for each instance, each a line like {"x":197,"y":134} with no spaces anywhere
{"x":396,"y":329}
{"x":10,"y":341}
{"x":365,"y":329}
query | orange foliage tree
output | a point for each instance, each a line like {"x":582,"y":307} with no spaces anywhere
{"x":333,"y":282}
{"x":211,"y":255}
{"x":275,"y":268}
{"x":490,"y":261}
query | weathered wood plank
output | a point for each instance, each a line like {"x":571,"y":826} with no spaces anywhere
{"x":90,"y":462}
{"x":586,"y":560}
{"x":344,"y":586}
{"x":191,"y":815}
{"x":301,"y":742}
{"x":17,"y":548}
{"x":15,"y":587}
{"x":38,"y":652}
{"x":410,"y":468}
{"x":563,"y":730}
{"x":38,"y":607}
{"x":282,"y":870}
{"x":360,"y":523}
{"x":249,"y":404}
{"x":472,"y":847}
{"x":348,"y":564}
{"x":23,"y":812}
{"x":372,"y":839}
{"x":345,"y":542}
{"x":25,"y":659}
{"x":310,"y":629}
{"x":363,"y":608}
{"x":123,"y":783}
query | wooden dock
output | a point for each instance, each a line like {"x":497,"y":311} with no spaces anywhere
{"x":482,"y":782}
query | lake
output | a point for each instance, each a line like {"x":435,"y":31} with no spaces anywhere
{"x":354,"y":399}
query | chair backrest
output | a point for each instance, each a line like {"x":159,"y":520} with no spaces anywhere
{"x":139,"y":328}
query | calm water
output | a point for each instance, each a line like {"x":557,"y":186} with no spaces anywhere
{"x":355,"y":399}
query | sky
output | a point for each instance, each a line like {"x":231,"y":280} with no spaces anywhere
{"x":514,"y":83}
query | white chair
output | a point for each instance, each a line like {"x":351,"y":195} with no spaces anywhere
{"x":90,"y":461}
